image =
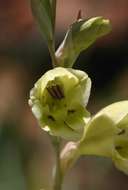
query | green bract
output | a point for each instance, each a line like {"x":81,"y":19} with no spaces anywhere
{"x":79,"y":37}
{"x":58,"y":101}
{"x":107,"y":135}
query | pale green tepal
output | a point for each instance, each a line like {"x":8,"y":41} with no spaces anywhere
{"x":59,"y":100}
{"x":107,"y":135}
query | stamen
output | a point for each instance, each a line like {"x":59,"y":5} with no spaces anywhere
{"x":58,"y":95}
{"x":56,"y":92}
{"x":51,"y":92}
{"x":60,"y":91}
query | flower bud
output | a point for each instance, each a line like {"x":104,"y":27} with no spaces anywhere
{"x":68,"y":156}
{"x":107,"y":135}
{"x":58,"y":101}
{"x":79,"y":37}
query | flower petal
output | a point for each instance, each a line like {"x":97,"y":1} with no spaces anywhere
{"x":58,"y":101}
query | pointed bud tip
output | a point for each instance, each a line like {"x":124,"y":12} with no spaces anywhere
{"x":79,"y":15}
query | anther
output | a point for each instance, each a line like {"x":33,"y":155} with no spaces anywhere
{"x":59,"y":90}
{"x":51,"y":92}
{"x":56,"y":92}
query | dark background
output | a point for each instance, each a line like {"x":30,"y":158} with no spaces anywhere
{"x":26,"y":155}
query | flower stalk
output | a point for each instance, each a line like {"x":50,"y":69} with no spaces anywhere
{"x":57,"y":174}
{"x":52,"y":53}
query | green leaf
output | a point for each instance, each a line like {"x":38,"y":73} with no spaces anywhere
{"x":43,"y":14}
{"x":79,"y":37}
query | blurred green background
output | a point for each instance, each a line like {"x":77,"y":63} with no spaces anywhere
{"x":26,"y":155}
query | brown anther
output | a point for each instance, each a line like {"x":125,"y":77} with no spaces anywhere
{"x":59,"y":90}
{"x":51,"y":92}
{"x":57,"y":96}
{"x":56,"y":92}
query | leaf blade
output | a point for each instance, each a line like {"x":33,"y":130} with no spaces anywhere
{"x":41,"y":10}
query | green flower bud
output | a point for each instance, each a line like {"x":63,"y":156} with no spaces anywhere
{"x":79,"y":37}
{"x":58,"y":101}
{"x":68,"y":156}
{"x":107,"y":135}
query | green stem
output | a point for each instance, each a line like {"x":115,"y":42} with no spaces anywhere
{"x":54,"y":2}
{"x":52,"y":42}
{"x":57,"y":175}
